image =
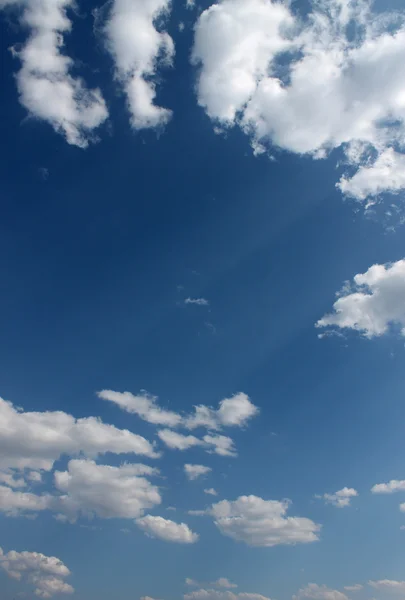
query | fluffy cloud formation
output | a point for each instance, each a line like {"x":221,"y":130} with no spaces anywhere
{"x":14,"y":503}
{"x":104,"y":491}
{"x":167,"y":530}
{"x":36,"y":440}
{"x":374,"y":303}
{"x":333,"y":78}
{"x":235,"y":411}
{"x":211,"y":594}
{"x":388,"y":488}
{"x":314,"y":591}
{"x":195,"y":471}
{"x":46,"y":88}
{"x":259,"y":522}
{"x":45,"y":573}
{"x":388,"y":585}
{"x":138,"y":49}
{"x":341,"y":498}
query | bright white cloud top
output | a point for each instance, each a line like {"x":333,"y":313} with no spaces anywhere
{"x":167,"y":530}
{"x":374,"y":303}
{"x":308,"y":86}
{"x":391,"y":487}
{"x":341,"y":498}
{"x":46,"y":574}
{"x":138,"y":49}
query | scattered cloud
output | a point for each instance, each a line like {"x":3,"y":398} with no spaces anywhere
{"x":341,"y":498}
{"x":353,"y":588}
{"x":259,"y":522}
{"x":139,"y":49}
{"x":195,"y":471}
{"x":212,"y":594}
{"x":46,"y":87}
{"x":46,"y":573}
{"x":388,"y":585}
{"x":313,"y":591}
{"x":388,"y":488}
{"x":167,"y":530}
{"x":178,"y":441}
{"x":222,"y":582}
{"x":144,"y":405}
{"x":374,"y":303}
{"x":308,"y":85}
{"x":211,"y":492}
{"x":197,"y":301}
{"x":221,"y":445}
{"x":36,"y":440}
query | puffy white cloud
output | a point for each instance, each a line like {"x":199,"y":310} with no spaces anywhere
{"x":195,"y":471}
{"x":45,"y":573}
{"x":178,"y":441}
{"x":167,"y":530}
{"x":139,"y":49}
{"x":353,"y":588}
{"x":313,"y":591}
{"x":144,"y":405}
{"x":14,"y":503}
{"x":211,"y":492}
{"x":259,"y":522}
{"x":221,"y":445}
{"x":197,"y":301}
{"x":388,"y":585}
{"x":46,"y":88}
{"x":388,"y":488}
{"x":37,"y":439}
{"x":108,"y":492}
{"x":341,"y":498}
{"x":374,"y":302}
{"x":212,"y":594}
{"x":308,"y":84}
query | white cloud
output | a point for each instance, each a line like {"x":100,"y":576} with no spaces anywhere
{"x":314,"y":591}
{"x":167,"y":530}
{"x":14,"y":503}
{"x":388,"y":585}
{"x":332,"y":79}
{"x":144,"y":405}
{"x":375,"y":302}
{"x":45,"y":573}
{"x":197,"y":301}
{"x":341,"y":498}
{"x":211,"y":492}
{"x":353,"y":588}
{"x":178,"y":441}
{"x":259,"y":522}
{"x":46,"y":88}
{"x":388,"y":488}
{"x":212,"y":594}
{"x":139,"y":49}
{"x":195,"y":471}
{"x":37,"y":439}
{"x":107,"y":492}
{"x":402,"y":507}
{"x":221,"y":445}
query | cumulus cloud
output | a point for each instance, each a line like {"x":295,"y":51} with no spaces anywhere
{"x":388,"y":585}
{"x":235,"y":411}
{"x":47,"y":89}
{"x":144,"y":405}
{"x":220,"y":444}
{"x":197,"y":301}
{"x":167,"y":530}
{"x":313,"y":591}
{"x":36,"y":440}
{"x":211,"y":492}
{"x":14,"y":503}
{"x":45,"y":573}
{"x":195,"y":471}
{"x":212,"y":594}
{"x":139,"y":49}
{"x":341,"y":498}
{"x":108,"y":492}
{"x":178,"y":441}
{"x":388,"y":488}
{"x":259,"y":522}
{"x":374,"y":303}
{"x":333,"y":78}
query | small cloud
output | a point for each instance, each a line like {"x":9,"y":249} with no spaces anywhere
{"x":341,"y":498}
{"x":195,"y":471}
{"x":211,"y":492}
{"x":181,"y":26}
{"x":197,"y":301}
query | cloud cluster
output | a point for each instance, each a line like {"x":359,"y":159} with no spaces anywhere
{"x":167,"y":530}
{"x":374,"y":303}
{"x":341,"y":498}
{"x":313,"y":591}
{"x":259,"y":522}
{"x":46,"y":573}
{"x":46,"y":87}
{"x":388,"y":488}
{"x":333,"y":78}
{"x":138,"y":49}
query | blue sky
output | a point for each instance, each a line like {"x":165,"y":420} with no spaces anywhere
{"x":202,"y":207}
